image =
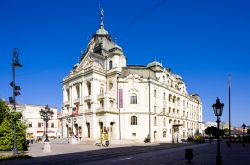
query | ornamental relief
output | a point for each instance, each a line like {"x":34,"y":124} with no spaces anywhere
{"x":133,"y":90}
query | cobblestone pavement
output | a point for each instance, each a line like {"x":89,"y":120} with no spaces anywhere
{"x":133,"y":154}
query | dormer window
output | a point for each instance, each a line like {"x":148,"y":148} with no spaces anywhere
{"x":110,"y":64}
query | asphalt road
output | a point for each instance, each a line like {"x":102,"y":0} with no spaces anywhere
{"x":147,"y":154}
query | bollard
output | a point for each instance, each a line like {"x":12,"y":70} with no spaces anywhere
{"x":189,"y":154}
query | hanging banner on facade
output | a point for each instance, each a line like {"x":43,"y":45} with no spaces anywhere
{"x":120,"y":98}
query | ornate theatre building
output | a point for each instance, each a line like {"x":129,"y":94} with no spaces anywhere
{"x":102,"y":94}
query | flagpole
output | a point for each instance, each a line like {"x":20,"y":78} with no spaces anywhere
{"x":229,"y":109}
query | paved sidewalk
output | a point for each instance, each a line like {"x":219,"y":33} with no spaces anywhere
{"x":36,"y":150}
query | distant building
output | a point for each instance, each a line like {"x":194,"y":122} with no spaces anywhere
{"x":35,"y":125}
{"x":223,"y":125}
{"x":102,"y":94}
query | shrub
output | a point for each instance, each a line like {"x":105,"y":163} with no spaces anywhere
{"x":199,"y":138}
{"x":190,"y":139}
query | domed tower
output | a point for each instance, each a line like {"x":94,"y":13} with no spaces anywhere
{"x":102,"y":45}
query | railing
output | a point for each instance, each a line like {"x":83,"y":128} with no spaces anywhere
{"x":112,"y":110}
{"x":66,"y":103}
{"x":86,"y":98}
{"x":87,"y":111}
{"x":77,"y":100}
{"x":100,"y":96}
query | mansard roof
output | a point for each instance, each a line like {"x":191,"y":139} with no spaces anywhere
{"x":140,"y":70}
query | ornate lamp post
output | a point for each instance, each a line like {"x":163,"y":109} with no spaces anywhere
{"x":218,"y":108}
{"x":15,"y":64}
{"x":46,"y":114}
{"x":243,"y":126}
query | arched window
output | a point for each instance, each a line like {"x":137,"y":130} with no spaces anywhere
{"x":133,"y":120}
{"x":174,"y":99}
{"x":164,"y":96}
{"x":164,"y":122}
{"x":155,"y":93}
{"x":110,"y":64}
{"x":155,"y":121}
{"x":68,"y":95}
{"x":169,"y":97}
{"x":111,"y":103}
{"x":133,"y":99}
{"x":77,"y":91}
{"x":170,"y":121}
{"x":164,"y":134}
{"x":101,"y":104}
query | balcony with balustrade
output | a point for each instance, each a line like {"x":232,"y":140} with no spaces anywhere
{"x":87,"y":98}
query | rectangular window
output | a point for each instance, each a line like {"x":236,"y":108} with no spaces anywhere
{"x":133,"y":134}
{"x":30,"y":124}
{"x":133,"y":120}
{"x":52,"y":125}
{"x":39,"y":125}
{"x":155,"y":93}
{"x":133,"y":99}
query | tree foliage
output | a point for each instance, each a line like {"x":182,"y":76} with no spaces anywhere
{"x":248,"y":131}
{"x":7,"y":129}
{"x":3,"y":111}
{"x":210,"y":130}
{"x":214,"y":131}
{"x":226,"y":130}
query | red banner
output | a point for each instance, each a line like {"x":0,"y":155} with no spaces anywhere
{"x":120,"y":98}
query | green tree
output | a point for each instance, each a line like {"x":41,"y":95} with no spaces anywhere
{"x":248,"y":131}
{"x":226,"y":130}
{"x":210,"y":130}
{"x":7,"y":129}
{"x":3,"y":111}
{"x":214,"y":131}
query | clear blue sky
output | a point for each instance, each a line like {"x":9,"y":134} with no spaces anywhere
{"x":203,"y":41}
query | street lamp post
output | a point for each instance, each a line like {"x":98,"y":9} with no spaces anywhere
{"x":15,"y":64}
{"x":218,"y":108}
{"x":243,"y":126}
{"x":46,"y":114}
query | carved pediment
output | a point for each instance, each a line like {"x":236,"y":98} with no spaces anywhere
{"x":86,"y":62}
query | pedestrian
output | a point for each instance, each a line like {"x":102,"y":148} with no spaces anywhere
{"x":210,"y":140}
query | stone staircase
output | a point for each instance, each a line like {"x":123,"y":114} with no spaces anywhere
{"x":88,"y":141}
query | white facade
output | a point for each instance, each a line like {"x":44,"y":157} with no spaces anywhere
{"x":129,"y":102}
{"x":35,"y":125}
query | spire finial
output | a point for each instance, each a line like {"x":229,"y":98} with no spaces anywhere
{"x":102,"y":17}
